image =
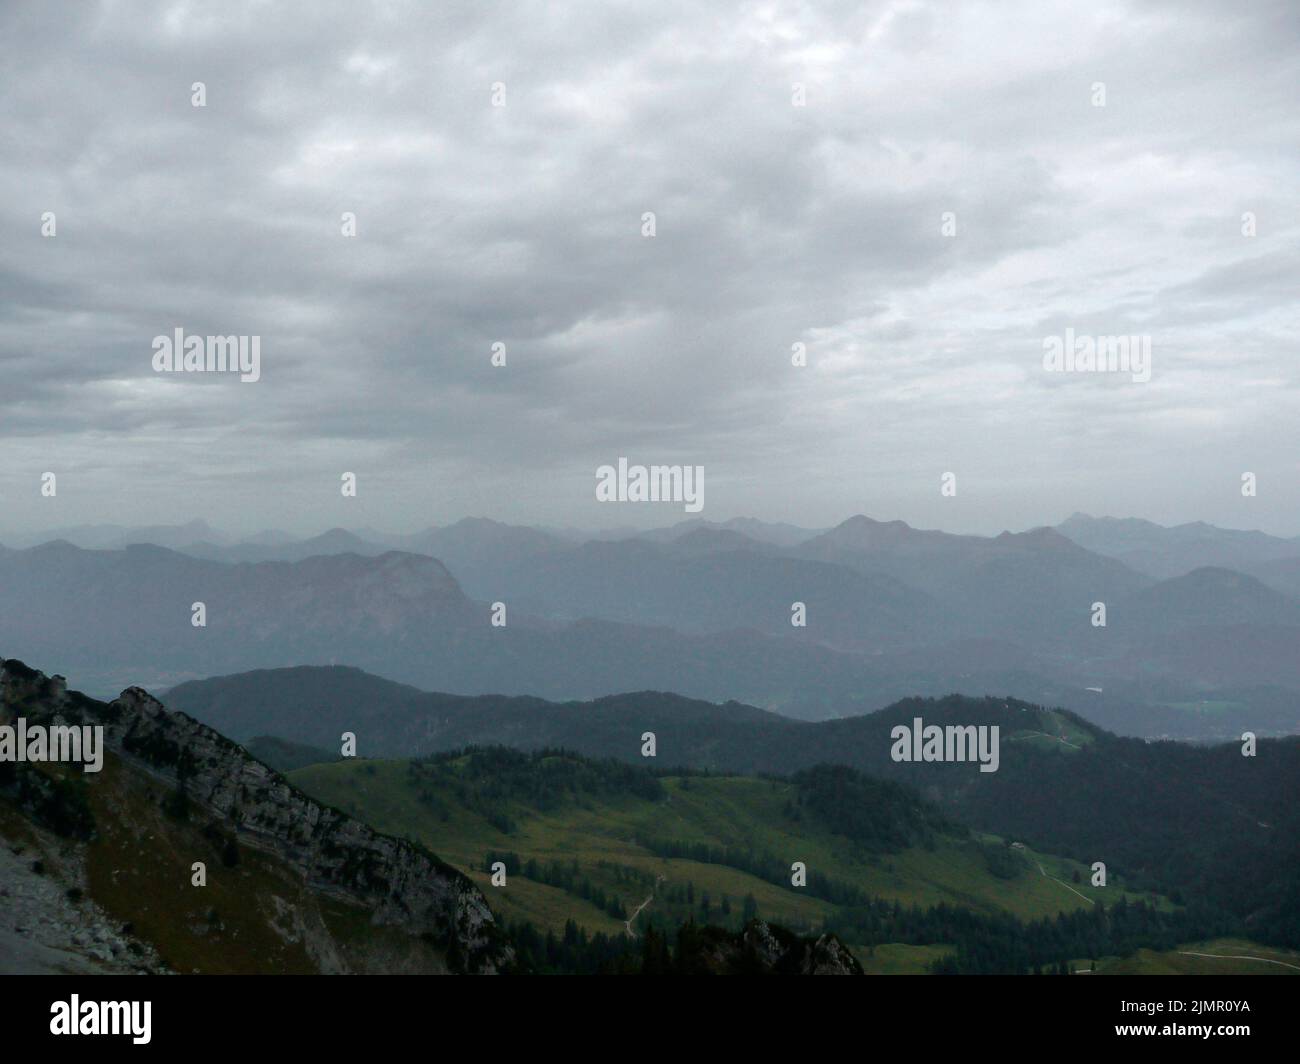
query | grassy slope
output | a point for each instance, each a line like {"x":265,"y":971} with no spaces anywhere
{"x":897,"y":958}
{"x":1177,"y":962}
{"x":719,"y":811}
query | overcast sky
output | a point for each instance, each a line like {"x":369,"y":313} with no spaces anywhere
{"x":775,"y":224}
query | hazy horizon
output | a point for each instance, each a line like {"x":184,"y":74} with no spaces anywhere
{"x":239,"y":534}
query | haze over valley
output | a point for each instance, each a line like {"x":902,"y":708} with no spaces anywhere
{"x":1201,"y":644}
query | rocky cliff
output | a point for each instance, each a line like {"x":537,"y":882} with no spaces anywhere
{"x":326,"y":893}
{"x":763,"y":948}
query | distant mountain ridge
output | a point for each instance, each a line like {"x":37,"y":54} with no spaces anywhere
{"x":844,"y":621}
{"x":403,"y":615}
{"x":1164,"y":552}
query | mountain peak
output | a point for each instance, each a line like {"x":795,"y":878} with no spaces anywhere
{"x":336,"y":534}
{"x":707,"y":538}
{"x":1044,"y":537}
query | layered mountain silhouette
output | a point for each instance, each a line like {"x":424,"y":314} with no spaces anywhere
{"x":706,"y":609}
{"x":1163,"y":552}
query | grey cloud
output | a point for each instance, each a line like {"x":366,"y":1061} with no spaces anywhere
{"x":775,"y":224}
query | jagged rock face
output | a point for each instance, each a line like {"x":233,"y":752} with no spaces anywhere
{"x":49,"y":927}
{"x":760,"y":948}
{"x":825,"y":955}
{"x":400,"y":884}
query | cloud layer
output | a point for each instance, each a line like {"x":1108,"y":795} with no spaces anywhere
{"x":776,"y":224}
